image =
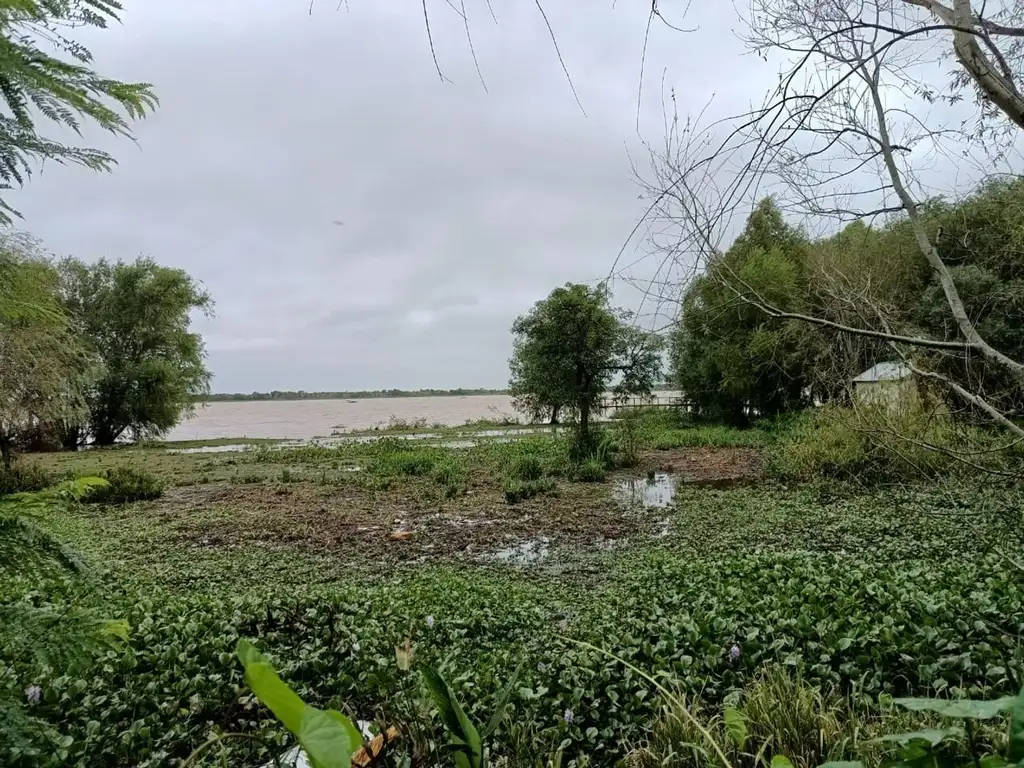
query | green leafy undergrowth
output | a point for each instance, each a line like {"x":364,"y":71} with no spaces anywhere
{"x":939,"y":522}
{"x":872,"y":445}
{"x":710,"y":436}
{"x":780,"y":720}
{"x":902,"y":629}
{"x":588,"y":471}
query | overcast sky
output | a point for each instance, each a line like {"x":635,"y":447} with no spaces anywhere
{"x":362,"y":224}
{"x":460,"y":207}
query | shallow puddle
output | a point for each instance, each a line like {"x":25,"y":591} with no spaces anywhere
{"x":230,"y":448}
{"x":647,"y":492}
{"x":658,"y":492}
{"x":530,"y":552}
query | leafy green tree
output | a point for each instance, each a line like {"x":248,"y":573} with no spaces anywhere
{"x":62,"y":88}
{"x":40,"y":355}
{"x":136,"y":318}
{"x":533,"y":392}
{"x":981,"y":238}
{"x":854,"y":278}
{"x":728,"y":355}
{"x":572,"y":347}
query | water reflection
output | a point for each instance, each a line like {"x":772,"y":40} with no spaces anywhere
{"x":229,"y":448}
{"x":529,"y":552}
{"x":655,"y":491}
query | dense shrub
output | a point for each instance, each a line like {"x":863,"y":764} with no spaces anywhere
{"x":527,"y":467}
{"x":819,"y":445}
{"x":451,"y":475}
{"x":24,"y":477}
{"x":780,"y":713}
{"x":517,"y":490}
{"x":408,"y":462}
{"x":875,"y":445}
{"x":630,"y":431}
{"x":655,"y":417}
{"x":125,"y":485}
{"x":710,"y":436}
{"x":589,"y":471}
{"x":502,"y":458}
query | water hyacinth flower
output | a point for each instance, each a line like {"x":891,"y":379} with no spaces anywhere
{"x":356,"y":647}
{"x":34,"y":694}
{"x":568,"y":716}
{"x":430,"y":622}
{"x":734,"y":653}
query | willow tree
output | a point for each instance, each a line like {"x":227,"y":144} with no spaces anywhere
{"x":40,"y":354}
{"x":136,"y":319}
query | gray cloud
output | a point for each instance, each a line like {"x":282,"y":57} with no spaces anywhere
{"x":459,"y":207}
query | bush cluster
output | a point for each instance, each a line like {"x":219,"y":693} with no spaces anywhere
{"x":23,"y":477}
{"x":873,"y":445}
{"x":124,"y":485}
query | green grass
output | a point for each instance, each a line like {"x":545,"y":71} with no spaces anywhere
{"x":710,"y":436}
{"x":517,"y":490}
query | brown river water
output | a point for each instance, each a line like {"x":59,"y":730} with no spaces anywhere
{"x":308,"y":419}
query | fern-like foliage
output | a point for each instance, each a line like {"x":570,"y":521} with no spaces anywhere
{"x":25,"y":548}
{"x":42,"y":624}
{"x":43,"y":72}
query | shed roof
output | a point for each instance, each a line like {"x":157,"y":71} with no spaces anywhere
{"x":884,"y":372}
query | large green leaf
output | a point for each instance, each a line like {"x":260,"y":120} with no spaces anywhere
{"x":328,"y":738}
{"x":326,"y":741}
{"x":780,"y":761}
{"x":270,"y":689}
{"x":843,"y":764}
{"x":970,"y":709}
{"x":502,"y":705}
{"x":1015,"y":742}
{"x":354,"y":734}
{"x":463,"y":732}
{"x":736,"y":727}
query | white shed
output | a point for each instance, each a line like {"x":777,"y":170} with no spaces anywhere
{"x":888,"y":384}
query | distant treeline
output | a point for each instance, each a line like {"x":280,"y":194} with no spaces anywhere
{"x":357,"y":395}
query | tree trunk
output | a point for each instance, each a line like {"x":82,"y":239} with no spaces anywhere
{"x":106,"y":435}
{"x":554,"y":414}
{"x":71,"y":438}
